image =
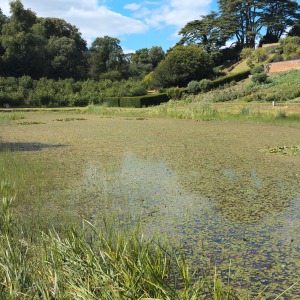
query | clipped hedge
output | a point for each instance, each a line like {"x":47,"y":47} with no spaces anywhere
{"x":229,"y":78}
{"x":112,"y":101}
{"x":143,"y":101}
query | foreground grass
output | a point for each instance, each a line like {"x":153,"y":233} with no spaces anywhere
{"x":92,"y":263}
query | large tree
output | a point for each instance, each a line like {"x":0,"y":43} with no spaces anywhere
{"x":251,"y":17}
{"x":106,"y":55}
{"x":181,"y":65}
{"x":278,"y":15}
{"x":245,"y":18}
{"x":144,"y":60}
{"x":156,"y":54}
{"x":23,"y":43}
{"x":210,"y":32}
{"x":66,"y":49}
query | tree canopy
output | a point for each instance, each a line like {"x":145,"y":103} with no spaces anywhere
{"x":243,"y":20}
{"x":53,"y":48}
{"x":181,"y":65}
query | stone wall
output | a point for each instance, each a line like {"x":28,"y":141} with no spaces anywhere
{"x":283,"y":66}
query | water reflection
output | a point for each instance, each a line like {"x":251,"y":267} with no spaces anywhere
{"x":257,"y":229}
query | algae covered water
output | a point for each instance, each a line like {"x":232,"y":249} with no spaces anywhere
{"x":209,"y":187}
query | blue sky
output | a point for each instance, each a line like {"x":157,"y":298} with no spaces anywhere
{"x":137,"y":23}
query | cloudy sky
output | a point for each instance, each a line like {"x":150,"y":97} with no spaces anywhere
{"x":137,"y":24}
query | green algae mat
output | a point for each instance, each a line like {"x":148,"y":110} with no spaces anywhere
{"x":228,"y":193}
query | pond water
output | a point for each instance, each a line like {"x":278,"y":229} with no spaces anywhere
{"x":208,"y":186}
{"x":261,"y":249}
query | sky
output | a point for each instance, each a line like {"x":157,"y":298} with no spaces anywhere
{"x":137,"y":24}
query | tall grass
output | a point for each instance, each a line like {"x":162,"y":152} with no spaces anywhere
{"x":11,"y":116}
{"x":203,"y":111}
{"x":85,"y":262}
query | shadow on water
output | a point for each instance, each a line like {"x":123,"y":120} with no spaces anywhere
{"x":23,"y":146}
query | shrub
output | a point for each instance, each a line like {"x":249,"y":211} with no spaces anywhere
{"x":246,"y":53}
{"x":257,"y":69}
{"x":260,"y":77}
{"x":205,"y":85}
{"x":112,"y":101}
{"x":193,"y":87}
{"x":174,"y":93}
{"x":276,"y":58}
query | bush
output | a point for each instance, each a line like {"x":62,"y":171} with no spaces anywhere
{"x":246,"y":53}
{"x":276,"y":58}
{"x":257,"y":69}
{"x":260,"y":77}
{"x":193,"y":87}
{"x":174,"y":93}
{"x":205,"y":85}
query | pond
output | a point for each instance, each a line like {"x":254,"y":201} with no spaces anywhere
{"x":261,"y":248}
{"x":209,"y":186}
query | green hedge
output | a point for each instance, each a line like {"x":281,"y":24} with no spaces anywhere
{"x":143,"y":101}
{"x":112,"y":101}
{"x":229,"y":78}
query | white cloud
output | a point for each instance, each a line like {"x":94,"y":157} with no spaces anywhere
{"x":178,"y":12}
{"x":91,"y":19}
{"x":132,"y":6}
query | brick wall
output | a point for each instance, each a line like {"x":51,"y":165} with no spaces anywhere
{"x":283,"y":66}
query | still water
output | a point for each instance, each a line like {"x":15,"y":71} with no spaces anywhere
{"x":231,"y":228}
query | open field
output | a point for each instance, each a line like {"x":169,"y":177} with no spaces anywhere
{"x":214,"y":187}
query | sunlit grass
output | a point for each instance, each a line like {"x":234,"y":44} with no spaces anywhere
{"x":86,"y":262}
{"x":11,"y":116}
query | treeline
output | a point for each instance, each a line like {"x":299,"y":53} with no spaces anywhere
{"x":27,"y":92}
{"x":45,"y":61}
{"x":52,"y":48}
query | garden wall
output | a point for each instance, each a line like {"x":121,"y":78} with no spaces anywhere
{"x":283,"y":66}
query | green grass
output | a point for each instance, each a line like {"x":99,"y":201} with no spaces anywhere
{"x":11,"y":116}
{"x":92,"y":263}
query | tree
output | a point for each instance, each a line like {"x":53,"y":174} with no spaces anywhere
{"x":106,"y":55}
{"x":66,"y":50}
{"x":249,"y":17}
{"x":181,"y":65}
{"x":144,"y":60}
{"x":62,"y":54}
{"x":3,"y":20}
{"x":245,"y":18}
{"x":23,"y":43}
{"x":210,"y":32}
{"x":295,"y":30}
{"x":278,"y":15}
{"x":156,"y":54}
{"x":140,"y":63}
